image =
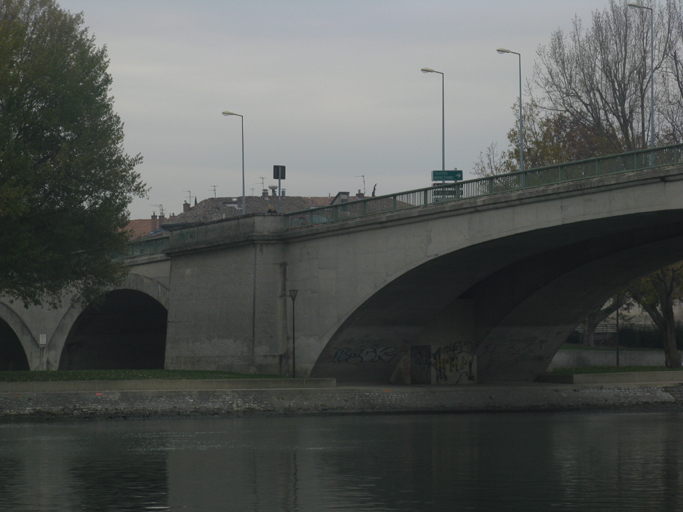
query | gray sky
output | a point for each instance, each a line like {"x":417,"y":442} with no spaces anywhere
{"x":331,"y":89}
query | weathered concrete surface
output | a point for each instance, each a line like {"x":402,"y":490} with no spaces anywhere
{"x":344,"y":400}
{"x":227,"y":303}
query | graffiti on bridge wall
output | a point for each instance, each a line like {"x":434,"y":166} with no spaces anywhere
{"x":364,"y":355}
{"x":453,"y":363}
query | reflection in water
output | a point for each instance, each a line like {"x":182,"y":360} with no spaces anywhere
{"x":497,"y":462}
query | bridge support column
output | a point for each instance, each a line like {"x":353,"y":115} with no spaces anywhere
{"x":227,"y":302}
{"x":444,"y":352}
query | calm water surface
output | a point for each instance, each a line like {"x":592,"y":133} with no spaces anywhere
{"x":484,"y":462}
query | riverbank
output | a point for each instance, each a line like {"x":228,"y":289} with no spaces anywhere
{"x":107,"y":403}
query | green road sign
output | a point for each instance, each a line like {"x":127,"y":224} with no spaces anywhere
{"x":446,"y":175}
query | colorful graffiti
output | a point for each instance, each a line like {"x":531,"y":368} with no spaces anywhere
{"x":453,"y":363}
{"x":364,"y":355}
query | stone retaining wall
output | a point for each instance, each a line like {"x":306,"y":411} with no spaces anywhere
{"x":375,"y":399}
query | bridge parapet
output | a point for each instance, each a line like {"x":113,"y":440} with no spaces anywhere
{"x":531,"y":178}
{"x":147,"y":247}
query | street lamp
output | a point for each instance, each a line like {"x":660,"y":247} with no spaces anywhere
{"x":521,"y":123}
{"x":228,"y":113}
{"x":443,"y":117}
{"x":652,"y":61}
{"x":292,"y":294}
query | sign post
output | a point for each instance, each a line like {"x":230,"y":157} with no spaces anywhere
{"x":446,"y":192}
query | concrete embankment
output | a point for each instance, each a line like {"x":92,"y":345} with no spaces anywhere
{"x":97,"y":400}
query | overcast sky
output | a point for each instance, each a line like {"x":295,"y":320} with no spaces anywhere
{"x":331,"y":89}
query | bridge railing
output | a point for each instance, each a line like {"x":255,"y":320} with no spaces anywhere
{"x":531,"y":178}
{"x":145,"y":247}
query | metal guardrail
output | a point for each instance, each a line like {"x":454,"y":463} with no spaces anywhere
{"x":531,"y":178}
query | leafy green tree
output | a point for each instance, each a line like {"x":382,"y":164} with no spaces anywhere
{"x":65,"y":179}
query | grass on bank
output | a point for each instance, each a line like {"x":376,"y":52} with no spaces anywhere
{"x":611,"y":369}
{"x":65,"y":375}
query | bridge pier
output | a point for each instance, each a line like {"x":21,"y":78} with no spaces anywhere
{"x":228,"y":298}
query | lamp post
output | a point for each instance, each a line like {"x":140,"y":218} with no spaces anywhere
{"x":638,"y":5}
{"x":228,"y":113}
{"x":292,"y":294}
{"x":521,"y":123}
{"x":443,"y":117}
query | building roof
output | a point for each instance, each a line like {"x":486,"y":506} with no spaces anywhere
{"x":145,"y":228}
{"x":139,"y":228}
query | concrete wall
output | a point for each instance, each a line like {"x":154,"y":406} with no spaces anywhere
{"x":577,"y":358}
{"x":227,"y":303}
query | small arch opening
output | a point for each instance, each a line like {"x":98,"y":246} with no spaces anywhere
{"x":125,"y":332}
{"x":12,"y":354}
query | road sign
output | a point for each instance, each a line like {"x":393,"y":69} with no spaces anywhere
{"x":447,"y":175}
{"x":278,"y":172}
{"x":446,"y":192}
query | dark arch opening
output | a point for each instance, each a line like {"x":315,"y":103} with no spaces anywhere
{"x":126,"y":332}
{"x":12,"y":355}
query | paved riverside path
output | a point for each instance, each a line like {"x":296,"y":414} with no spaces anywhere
{"x":108,"y":403}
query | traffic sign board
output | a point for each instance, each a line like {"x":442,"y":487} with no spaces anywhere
{"x":447,"y":175}
{"x":446,"y":192}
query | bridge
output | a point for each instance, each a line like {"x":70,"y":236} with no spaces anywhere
{"x":479,"y":281}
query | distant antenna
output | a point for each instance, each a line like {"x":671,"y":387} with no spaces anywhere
{"x":160,"y":206}
{"x":362,"y":176}
{"x":252,"y":191}
{"x":263,"y":182}
{"x":213,"y":187}
{"x":189,"y":195}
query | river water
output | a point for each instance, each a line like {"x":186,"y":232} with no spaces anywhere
{"x":436,"y":462}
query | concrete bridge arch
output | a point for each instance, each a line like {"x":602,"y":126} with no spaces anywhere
{"x":132,"y":318}
{"x":17,"y":344}
{"x":503,"y":287}
{"x":508,"y":303}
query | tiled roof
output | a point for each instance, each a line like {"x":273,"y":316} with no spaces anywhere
{"x":139,"y":227}
{"x":218,"y":208}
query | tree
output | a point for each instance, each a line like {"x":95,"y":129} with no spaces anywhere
{"x":549,"y":138}
{"x":600,"y":77}
{"x":65,"y":180}
{"x":656,"y":294}
{"x":594,"y":318}
{"x":592,"y":98}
